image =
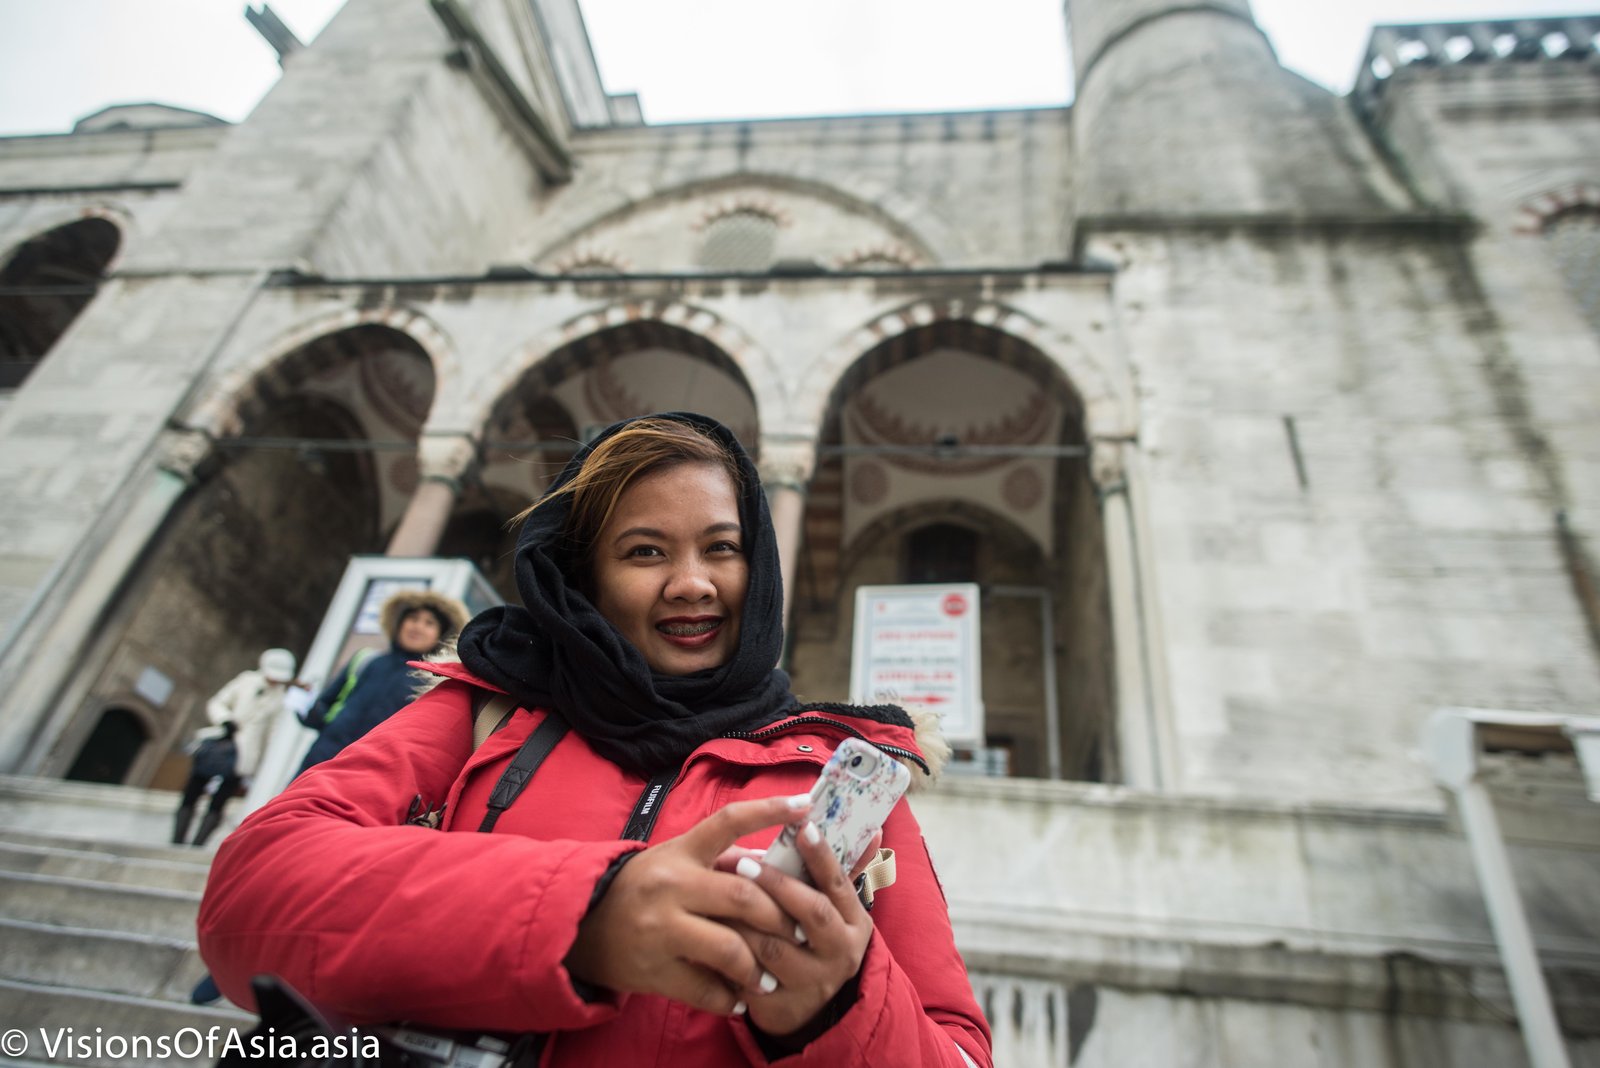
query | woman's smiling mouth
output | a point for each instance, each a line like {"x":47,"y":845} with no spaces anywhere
{"x":690,"y":632}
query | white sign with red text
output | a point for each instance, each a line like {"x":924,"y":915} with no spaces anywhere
{"x":917,"y":647}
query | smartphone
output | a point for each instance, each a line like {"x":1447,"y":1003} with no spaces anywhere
{"x":852,"y":797}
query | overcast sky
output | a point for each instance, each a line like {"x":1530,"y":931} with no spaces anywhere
{"x":688,"y":59}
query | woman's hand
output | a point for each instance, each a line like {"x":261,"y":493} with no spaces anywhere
{"x":827,"y":939}
{"x":657,"y":931}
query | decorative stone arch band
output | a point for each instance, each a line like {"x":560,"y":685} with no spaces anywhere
{"x":217,"y":411}
{"x":1535,"y":214}
{"x":913,"y":223}
{"x":559,"y":352}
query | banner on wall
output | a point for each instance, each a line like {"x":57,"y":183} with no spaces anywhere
{"x":917,"y":647}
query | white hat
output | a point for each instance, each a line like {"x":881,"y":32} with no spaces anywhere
{"x":278,"y":665}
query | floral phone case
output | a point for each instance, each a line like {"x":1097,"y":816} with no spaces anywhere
{"x":852,"y":797}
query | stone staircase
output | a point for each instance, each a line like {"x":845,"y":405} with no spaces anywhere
{"x":97,"y":923}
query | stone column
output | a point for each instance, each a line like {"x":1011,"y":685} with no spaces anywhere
{"x":443,"y":460}
{"x":786,"y":466}
{"x":1137,"y":737}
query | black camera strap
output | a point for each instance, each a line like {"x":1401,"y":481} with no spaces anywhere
{"x":648,"y":807}
{"x":536,"y":748}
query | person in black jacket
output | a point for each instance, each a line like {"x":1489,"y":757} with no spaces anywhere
{"x":373,"y":686}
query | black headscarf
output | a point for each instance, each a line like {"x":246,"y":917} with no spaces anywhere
{"x":558,"y":652}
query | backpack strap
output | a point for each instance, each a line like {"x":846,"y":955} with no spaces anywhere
{"x":352,"y":674}
{"x":490,"y":716}
{"x":512,"y":781}
{"x":487,"y":718}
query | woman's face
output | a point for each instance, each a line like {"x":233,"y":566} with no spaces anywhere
{"x":670,"y":571}
{"x":419,"y":632}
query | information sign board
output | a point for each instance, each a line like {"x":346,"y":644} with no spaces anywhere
{"x":917,"y":646}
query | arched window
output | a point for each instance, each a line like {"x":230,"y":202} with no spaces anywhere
{"x":1573,"y":238}
{"x":741,"y":240}
{"x":43,"y":286}
{"x":111,"y":749}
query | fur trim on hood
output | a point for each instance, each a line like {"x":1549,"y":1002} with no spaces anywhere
{"x":935,"y":750}
{"x":448,"y":609}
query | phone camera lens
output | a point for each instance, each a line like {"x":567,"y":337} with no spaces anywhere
{"x":855,"y":762}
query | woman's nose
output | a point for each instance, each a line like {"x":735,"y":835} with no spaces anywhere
{"x":690,"y":582}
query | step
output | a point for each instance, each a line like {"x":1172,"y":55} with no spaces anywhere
{"x":86,"y":843}
{"x":78,"y":861}
{"x":115,"y":962}
{"x":68,"y":902}
{"x":41,"y":1010}
{"x":90,"y":810}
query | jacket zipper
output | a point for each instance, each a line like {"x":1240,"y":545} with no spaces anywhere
{"x":805,"y":721}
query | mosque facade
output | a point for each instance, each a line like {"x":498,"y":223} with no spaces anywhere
{"x":1264,"y":419}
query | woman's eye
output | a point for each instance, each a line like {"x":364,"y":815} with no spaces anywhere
{"x":726,"y":547}
{"x":644,"y":550}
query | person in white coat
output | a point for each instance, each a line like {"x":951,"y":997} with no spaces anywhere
{"x":241,"y":713}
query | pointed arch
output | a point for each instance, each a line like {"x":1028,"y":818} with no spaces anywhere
{"x":46,"y":282}
{"x":218,"y":410}
{"x":1015,"y":338}
{"x":560,"y":352}
{"x":55,"y":216}
{"x":1011,"y":500}
{"x":302,"y":476}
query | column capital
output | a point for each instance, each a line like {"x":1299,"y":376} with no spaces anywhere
{"x":1108,"y":464}
{"x":185,"y":452}
{"x":446,"y":458}
{"x":787,"y":462}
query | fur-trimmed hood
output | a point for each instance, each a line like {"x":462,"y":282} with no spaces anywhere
{"x":449,"y":610}
{"x":935,"y":750}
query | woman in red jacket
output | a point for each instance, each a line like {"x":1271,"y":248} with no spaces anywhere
{"x":617,"y":903}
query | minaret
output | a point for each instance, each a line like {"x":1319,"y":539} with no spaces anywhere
{"x":1183,"y":110}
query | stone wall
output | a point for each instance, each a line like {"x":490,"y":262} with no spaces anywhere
{"x":976,"y":189}
{"x":1226,"y":933}
{"x":1312,"y":627}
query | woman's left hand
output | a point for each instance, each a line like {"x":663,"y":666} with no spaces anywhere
{"x":830,"y":940}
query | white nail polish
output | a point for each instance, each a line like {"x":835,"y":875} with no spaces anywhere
{"x":747,"y":867}
{"x":812,"y":835}
{"x":800,"y":801}
{"x":769,"y":982}
{"x":799,"y":934}
{"x":738,"y":1008}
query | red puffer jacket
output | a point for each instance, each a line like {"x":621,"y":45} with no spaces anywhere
{"x":328,"y":887}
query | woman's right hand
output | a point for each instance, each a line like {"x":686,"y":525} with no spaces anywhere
{"x":663,"y":925}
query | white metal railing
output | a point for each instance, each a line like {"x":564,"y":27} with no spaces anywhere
{"x":1028,"y":1018}
{"x":1452,"y":741}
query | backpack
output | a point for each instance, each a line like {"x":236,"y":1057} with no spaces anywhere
{"x":213,"y":757}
